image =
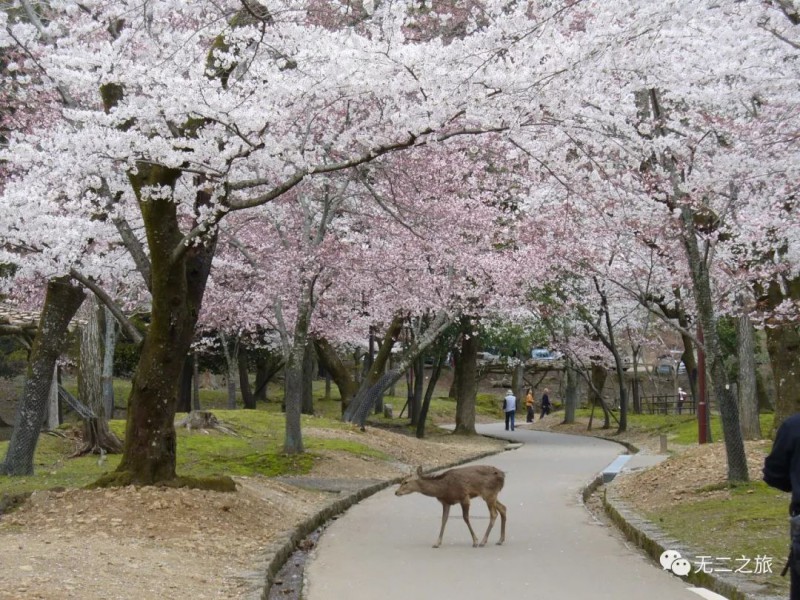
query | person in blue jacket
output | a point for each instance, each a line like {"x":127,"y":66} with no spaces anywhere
{"x":782,"y":471}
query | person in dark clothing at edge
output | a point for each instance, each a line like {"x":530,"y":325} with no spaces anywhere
{"x":782,"y":471}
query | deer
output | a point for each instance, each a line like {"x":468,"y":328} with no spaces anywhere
{"x":458,"y":486}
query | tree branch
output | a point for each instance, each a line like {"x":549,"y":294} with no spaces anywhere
{"x":125,"y":323}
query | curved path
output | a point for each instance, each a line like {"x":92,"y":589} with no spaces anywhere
{"x":554,"y":549}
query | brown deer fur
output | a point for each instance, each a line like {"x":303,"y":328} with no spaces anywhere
{"x":458,"y":486}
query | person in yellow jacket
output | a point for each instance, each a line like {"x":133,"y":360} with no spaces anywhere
{"x":529,"y":406}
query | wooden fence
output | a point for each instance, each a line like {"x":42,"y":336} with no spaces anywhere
{"x":666,"y":405}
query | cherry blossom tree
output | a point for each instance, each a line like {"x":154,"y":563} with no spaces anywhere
{"x":239,"y":104}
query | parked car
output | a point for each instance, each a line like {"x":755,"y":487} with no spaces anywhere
{"x":664,"y":369}
{"x":544,"y":354}
{"x":487,"y":358}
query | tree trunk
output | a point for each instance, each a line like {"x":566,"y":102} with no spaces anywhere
{"x":90,"y":375}
{"x":419,"y":385}
{"x":62,"y":300}
{"x":599,"y":375}
{"x":783,"y":344}
{"x":185,"y":390}
{"x":308,"y":380}
{"x":453,"y":391}
{"x":701,"y":285}
{"x":570,"y":393}
{"x":361,"y":405}
{"x":262,"y":378}
{"x":268,"y":364}
{"x":426,"y":403}
{"x":195,"y":382}
{"x":53,"y":412}
{"x":108,"y":362}
{"x":293,"y":385}
{"x":244,"y":380}
{"x":765,"y":384}
{"x":748,"y":399}
{"x":294,"y":371}
{"x":467,"y":380}
{"x":177,"y":288}
{"x":98,"y":437}
{"x":337,"y":370}
{"x":518,"y":379}
{"x":231,"y":352}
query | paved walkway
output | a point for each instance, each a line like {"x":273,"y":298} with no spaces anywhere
{"x":381,"y":548}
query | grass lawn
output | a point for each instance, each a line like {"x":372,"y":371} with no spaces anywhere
{"x":256,"y":450}
{"x":752,"y":522}
{"x":747,"y":521}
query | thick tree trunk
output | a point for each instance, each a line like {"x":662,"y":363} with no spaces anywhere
{"x":294,"y":371}
{"x":178,"y":284}
{"x":701,"y":284}
{"x":570,"y":393}
{"x":748,"y":398}
{"x":783,"y":344}
{"x":293,"y":442}
{"x":61,"y":302}
{"x":467,"y":380}
{"x":90,"y":375}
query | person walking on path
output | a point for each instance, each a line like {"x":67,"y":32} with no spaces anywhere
{"x":782,"y":471}
{"x":510,"y":408}
{"x":529,"y":406}
{"x":545,"y":403}
{"x":681,"y":399}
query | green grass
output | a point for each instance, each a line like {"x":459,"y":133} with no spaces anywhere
{"x":752,"y":522}
{"x":256,"y":450}
{"x":679,"y":429}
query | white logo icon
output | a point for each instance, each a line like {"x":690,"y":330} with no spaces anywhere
{"x":671,"y":560}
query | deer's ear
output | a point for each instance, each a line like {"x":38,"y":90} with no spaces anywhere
{"x":419,"y":471}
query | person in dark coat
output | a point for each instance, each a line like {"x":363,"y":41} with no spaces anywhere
{"x":782,"y":471}
{"x":546,"y":406}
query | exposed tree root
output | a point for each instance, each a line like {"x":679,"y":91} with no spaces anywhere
{"x":222,"y":483}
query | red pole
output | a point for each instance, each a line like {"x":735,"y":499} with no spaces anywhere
{"x":702,"y":407}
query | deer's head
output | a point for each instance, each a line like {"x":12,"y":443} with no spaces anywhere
{"x":410,"y":484}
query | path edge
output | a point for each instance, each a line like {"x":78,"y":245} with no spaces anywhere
{"x":277,"y":554}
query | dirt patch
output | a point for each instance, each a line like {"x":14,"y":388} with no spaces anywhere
{"x":164,"y":543}
{"x":697,"y":472}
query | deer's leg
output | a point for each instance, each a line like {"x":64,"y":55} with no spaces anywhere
{"x":492,"y":517}
{"x":465,"y":514}
{"x":501,"y":508}
{"x":445,"y":514}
